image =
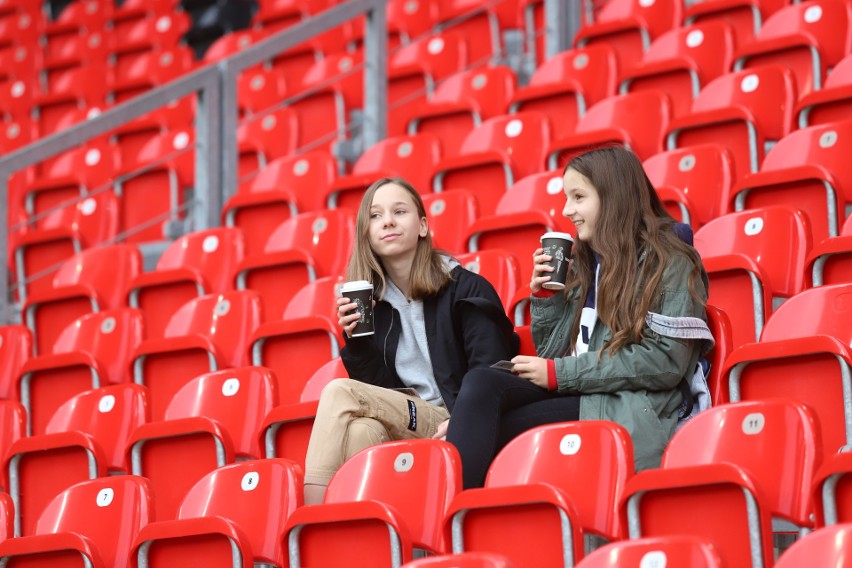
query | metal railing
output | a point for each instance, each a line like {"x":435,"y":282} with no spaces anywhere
{"x":216,"y":119}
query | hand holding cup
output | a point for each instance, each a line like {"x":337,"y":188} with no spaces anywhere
{"x":355,"y":308}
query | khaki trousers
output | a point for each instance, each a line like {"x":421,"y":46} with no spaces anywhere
{"x":353,"y":415}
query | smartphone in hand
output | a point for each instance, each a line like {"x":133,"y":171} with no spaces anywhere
{"x":507,"y":365}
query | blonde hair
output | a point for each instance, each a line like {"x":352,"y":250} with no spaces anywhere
{"x":429,"y":274}
{"x":632,"y":223}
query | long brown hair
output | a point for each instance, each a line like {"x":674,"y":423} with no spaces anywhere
{"x":635,"y":240}
{"x":428,"y":271}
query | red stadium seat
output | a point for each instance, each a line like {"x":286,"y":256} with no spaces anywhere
{"x":694,"y":183}
{"x":803,"y":354}
{"x":830,"y":261}
{"x":286,"y":430}
{"x":530,"y":208}
{"x":232,"y":517}
{"x":746,"y":109}
{"x":411,"y":158}
{"x":555,"y":483}
{"x":808,"y":38}
{"x":461,"y":102}
{"x":450,"y":213}
{"x":636,"y":120}
{"x":629,"y":26}
{"x":65,"y":232}
{"x":93,"y":351}
{"x":85,"y":439}
{"x":497,"y":266}
{"x":211,"y":421}
{"x":300,"y":250}
{"x":16,"y":347}
{"x":265,"y":137}
{"x":567,"y":84}
{"x":90,"y":281}
{"x":682,"y":61}
{"x":414,"y":70}
{"x":463,"y":560}
{"x":746,"y":17}
{"x":198,"y":263}
{"x":206,"y":334}
{"x":679,"y":550}
{"x":498,"y":152}
{"x":91,"y":523}
{"x":381,"y":503}
{"x":824,"y":547}
{"x":833,"y":102}
{"x":753,"y":257}
{"x":806,"y":169}
{"x":831,"y":489}
{"x":13,"y":426}
{"x":723,"y":467}
{"x":284,"y":188}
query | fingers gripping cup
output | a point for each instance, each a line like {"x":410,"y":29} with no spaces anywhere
{"x":558,"y":246}
{"x":360,"y":292}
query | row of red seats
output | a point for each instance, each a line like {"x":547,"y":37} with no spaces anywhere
{"x":735,"y":481}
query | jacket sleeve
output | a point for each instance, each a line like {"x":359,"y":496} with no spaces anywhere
{"x":486,"y":331}
{"x":656,"y":362}
{"x":545,"y":313}
{"x":364,"y":362}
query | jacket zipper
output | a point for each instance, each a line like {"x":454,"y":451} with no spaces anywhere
{"x":385,"y":346}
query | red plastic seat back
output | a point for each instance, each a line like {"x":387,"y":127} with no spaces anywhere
{"x":258,"y":496}
{"x":237,"y":399}
{"x":317,"y":298}
{"x":228,"y":319}
{"x":818,"y":311}
{"x":16,"y":347}
{"x":704,"y":174}
{"x":828,"y":546}
{"x":106,"y":271}
{"x":326,"y":236}
{"x":110,"y":337}
{"x":496,"y":266}
{"x":763,"y":96}
{"x":680,"y":550}
{"x":643,"y":117}
{"x":108,"y":414}
{"x":409,"y":157}
{"x":777,"y":238}
{"x":591,"y":68}
{"x":826,"y":147}
{"x":523,"y":137}
{"x":213,"y":253}
{"x":789,"y":34}
{"x":334,"y":369}
{"x":590,"y":460}
{"x":450,"y":215}
{"x":13,"y":420}
{"x":720,"y":328}
{"x":418,"y":478}
{"x":749,"y":434}
{"x":109,"y":512}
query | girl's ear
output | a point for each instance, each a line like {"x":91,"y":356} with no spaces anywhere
{"x":424,"y":227}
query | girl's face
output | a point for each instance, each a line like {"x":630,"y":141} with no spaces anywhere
{"x":394,"y":227}
{"x":582,"y":204}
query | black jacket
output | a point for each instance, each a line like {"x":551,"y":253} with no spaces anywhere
{"x":466,"y":328}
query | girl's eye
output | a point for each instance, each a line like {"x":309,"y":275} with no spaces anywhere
{"x":400,"y":211}
{"x":375,"y":215}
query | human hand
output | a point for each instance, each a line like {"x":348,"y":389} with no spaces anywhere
{"x":533,"y":369}
{"x":441,"y":432}
{"x":347,"y":315}
{"x":541,"y":270}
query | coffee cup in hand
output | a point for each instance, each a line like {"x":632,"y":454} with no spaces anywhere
{"x":558,"y":247}
{"x":360,"y":293}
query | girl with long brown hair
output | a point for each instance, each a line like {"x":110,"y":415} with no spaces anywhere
{"x":621,"y":339}
{"x":434,"y":322}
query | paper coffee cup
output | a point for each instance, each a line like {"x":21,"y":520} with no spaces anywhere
{"x":558,"y":246}
{"x":360,"y":292}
